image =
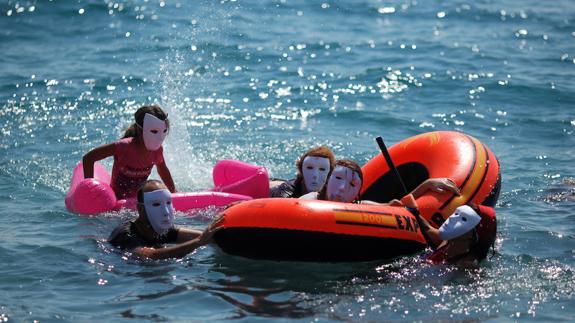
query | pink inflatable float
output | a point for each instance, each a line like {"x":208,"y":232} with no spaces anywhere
{"x":233,"y":176}
{"x":233,"y":180}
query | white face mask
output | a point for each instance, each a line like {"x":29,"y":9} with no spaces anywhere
{"x":314,"y":170}
{"x":155,"y":131}
{"x":343,"y":185}
{"x":159,"y":210}
{"x":463,"y":220}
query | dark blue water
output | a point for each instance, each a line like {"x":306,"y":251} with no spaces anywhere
{"x":262,"y":81}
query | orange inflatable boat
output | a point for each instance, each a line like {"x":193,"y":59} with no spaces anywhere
{"x":460,"y":157}
{"x":294,"y":229}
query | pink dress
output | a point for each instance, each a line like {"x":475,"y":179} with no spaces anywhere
{"x":131,"y":168}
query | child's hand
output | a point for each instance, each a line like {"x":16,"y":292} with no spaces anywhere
{"x":395,"y":202}
{"x":232,"y":204}
{"x":208,"y":234}
{"x":442,"y":185}
{"x":409,"y":201}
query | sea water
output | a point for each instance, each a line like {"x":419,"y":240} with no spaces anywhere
{"x":263,"y":81}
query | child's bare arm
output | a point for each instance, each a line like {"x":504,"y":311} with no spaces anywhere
{"x":166,"y":176}
{"x":93,"y":156}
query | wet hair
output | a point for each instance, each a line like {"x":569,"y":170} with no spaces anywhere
{"x":344,"y":163}
{"x":139,"y":115}
{"x":140,"y":193}
{"x":320,"y":151}
{"x":480,"y":247}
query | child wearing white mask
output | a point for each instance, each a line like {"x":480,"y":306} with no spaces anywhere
{"x":148,"y":234}
{"x":313,"y":168}
{"x":136,"y":153}
{"x":343,"y":185}
{"x":464,"y":239}
{"x":345,"y":181}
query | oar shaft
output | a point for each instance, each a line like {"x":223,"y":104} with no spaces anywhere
{"x":390,"y":163}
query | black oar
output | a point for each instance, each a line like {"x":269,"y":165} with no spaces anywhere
{"x":390,"y":163}
{"x":413,"y":210}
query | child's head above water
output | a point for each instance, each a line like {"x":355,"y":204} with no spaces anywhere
{"x":478,"y":221}
{"x":344,"y":183}
{"x":151,"y":122}
{"x":314,"y":167}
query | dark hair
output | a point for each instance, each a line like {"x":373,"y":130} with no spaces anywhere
{"x":139,"y":115}
{"x":321,"y":151}
{"x":140,"y":193}
{"x":480,"y":247}
{"x":345,"y":163}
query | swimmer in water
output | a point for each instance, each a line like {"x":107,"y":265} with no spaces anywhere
{"x":313,"y":168}
{"x":345,"y":181}
{"x":147,"y":235}
{"x":343,"y":185}
{"x":464,"y":239}
{"x":136,"y":153}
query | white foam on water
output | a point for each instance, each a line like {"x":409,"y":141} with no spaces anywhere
{"x":189,"y":171}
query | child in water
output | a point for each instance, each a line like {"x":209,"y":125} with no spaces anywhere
{"x":464,"y":239}
{"x":343,"y":185}
{"x":136,"y":153}
{"x":313,"y":168}
{"x":345,"y":181}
